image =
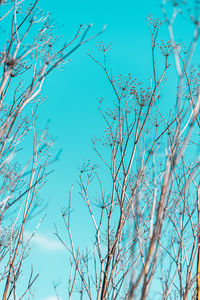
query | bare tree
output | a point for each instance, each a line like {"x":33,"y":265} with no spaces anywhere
{"x":146,"y":223}
{"x":28,"y":53}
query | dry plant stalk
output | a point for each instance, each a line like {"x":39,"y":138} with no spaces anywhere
{"x":146,"y":223}
{"x":28,"y":54}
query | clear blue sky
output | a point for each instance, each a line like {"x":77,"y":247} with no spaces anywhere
{"x":72,"y":110}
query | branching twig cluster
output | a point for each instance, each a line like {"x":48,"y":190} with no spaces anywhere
{"x":147,"y":223}
{"x":28,"y":54}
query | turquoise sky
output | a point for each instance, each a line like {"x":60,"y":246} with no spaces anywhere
{"x":72,"y":114}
